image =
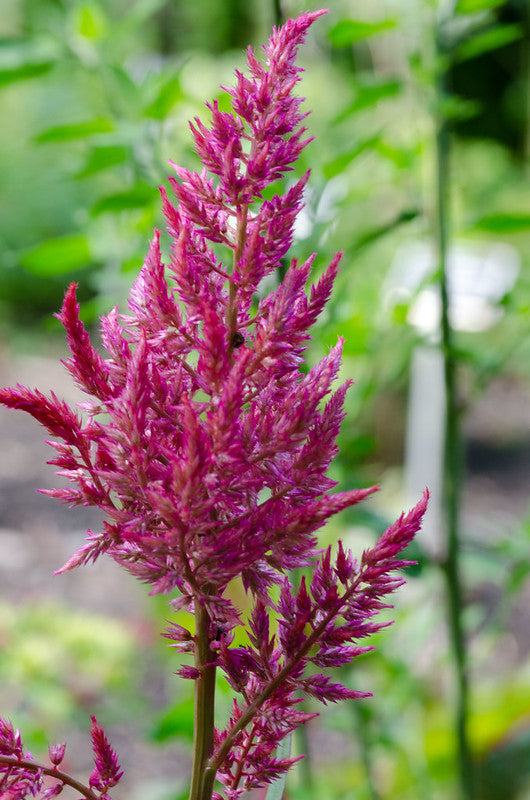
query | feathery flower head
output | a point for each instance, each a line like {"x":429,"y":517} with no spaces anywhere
{"x":206,"y":408}
{"x":207,"y":447}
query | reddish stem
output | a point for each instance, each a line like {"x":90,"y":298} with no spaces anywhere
{"x":25,"y":763}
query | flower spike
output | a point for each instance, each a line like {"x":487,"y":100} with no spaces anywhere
{"x":207,"y":446}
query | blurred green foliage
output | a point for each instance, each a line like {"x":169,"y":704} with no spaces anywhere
{"x":55,"y":665}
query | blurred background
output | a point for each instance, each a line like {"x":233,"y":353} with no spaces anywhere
{"x":421,"y":113}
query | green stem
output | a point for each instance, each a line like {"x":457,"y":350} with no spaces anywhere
{"x":525,"y":45}
{"x":278,"y":13}
{"x":305,"y":766}
{"x":452,"y":453}
{"x":204,"y":703}
{"x":363,"y":737}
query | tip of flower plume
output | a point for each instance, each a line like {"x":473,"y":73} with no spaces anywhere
{"x":69,"y":303}
{"x":71,"y":291}
{"x":311,"y":16}
{"x":308,"y":18}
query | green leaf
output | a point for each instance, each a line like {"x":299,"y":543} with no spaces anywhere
{"x":24,"y":72}
{"x":169,"y":94}
{"x":492,"y":39}
{"x":373,"y":234}
{"x":137,"y":14}
{"x":75,"y":130}
{"x":518,"y":574}
{"x":176,"y":722}
{"x":277,"y":788}
{"x":90,"y":22}
{"x":368,"y":95}
{"x":137,"y":196}
{"x":401,"y":157}
{"x":224,"y":101}
{"x":334,"y":167}
{"x":501,"y":222}
{"x":57,"y":256}
{"x":474,"y":6}
{"x":348,"y":31}
{"x":453,"y":107}
{"x":102,"y":157}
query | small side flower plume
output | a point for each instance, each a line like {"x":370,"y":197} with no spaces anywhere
{"x":21,"y":776}
{"x":17,"y":780}
{"x":319,"y":626}
{"x":56,"y":753}
{"x":107,"y":771}
{"x":207,"y":446}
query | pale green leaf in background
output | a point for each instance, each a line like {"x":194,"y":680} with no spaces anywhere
{"x":168,"y":95}
{"x":103,"y":157}
{"x":488,"y":40}
{"x":349,"y":31}
{"x":71,"y":131}
{"x":503,"y":222}
{"x":474,"y":6}
{"x":22,"y":59}
{"x":368,"y":95}
{"x":334,"y":167}
{"x":453,"y":107}
{"x":90,"y":22}
{"x":138,"y":196}
{"x":57,"y":256}
{"x":24,"y":72}
{"x":175,"y":722}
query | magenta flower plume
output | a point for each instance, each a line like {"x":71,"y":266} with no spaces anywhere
{"x":107,"y":771}
{"x":207,"y":447}
{"x":22,"y":777}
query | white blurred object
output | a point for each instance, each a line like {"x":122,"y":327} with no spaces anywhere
{"x":424,"y":440}
{"x":479,"y":275}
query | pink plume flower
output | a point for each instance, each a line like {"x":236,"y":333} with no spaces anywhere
{"x":206,"y":446}
{"x":56,"y":753}
{"x":22,"y":777}
{"x":107,"y":771}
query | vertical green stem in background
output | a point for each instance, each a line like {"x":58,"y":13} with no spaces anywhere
{"x":278,"y":13}
{"x":204,"y":702}
{"x":525,"y":45}
{"x":452,"y":448}
{"x":303,"y":746}
{"x":362,"y":734}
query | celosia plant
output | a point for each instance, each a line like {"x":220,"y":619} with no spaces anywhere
{"x":207,"y":449}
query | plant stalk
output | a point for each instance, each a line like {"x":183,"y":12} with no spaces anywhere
{"x":204,"y":703}
{"x":306,"y":764}
{"x":278,"y":12}
{"x":452,"y":451}
{"x":364,"y":741}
